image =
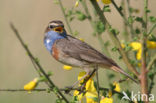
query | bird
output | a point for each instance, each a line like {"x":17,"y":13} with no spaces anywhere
{"x":74,"y":52}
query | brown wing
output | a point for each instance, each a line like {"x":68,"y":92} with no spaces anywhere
{"x":82,"y":51}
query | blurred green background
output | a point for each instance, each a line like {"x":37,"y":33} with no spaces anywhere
{"x":31,"y":18}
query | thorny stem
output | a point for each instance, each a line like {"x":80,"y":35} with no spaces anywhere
{"x":143,"y":75}
{"x":114,"y":37}
{"x":65,"y":17}
{"x":52,"y":85}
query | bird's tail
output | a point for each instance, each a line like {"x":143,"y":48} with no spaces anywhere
{"x":118,"y":69}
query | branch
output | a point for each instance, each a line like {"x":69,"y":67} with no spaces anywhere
{"x":143,"y":75}
{"x":151,"y":29}
{"x":65,"y":17}
{"x":98,"y":86}
{"x":104,"y":47}
{"x":51,"y":84}
{"x":114,"y":37}
{"x":124,"y":18}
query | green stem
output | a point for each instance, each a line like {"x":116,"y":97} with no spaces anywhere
{"x":130,"y":15}
{"x":103,"y":47}
{"x":113,"y":36}
{"x":52,"y":85}
{"x":151,"y":29}
{"x":65,"y":17}
{"x":125,"y":28}
{"x":124,"y":18}
{"x":98,"y":86}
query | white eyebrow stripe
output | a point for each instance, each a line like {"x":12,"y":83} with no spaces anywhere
{"x":54,"y":24}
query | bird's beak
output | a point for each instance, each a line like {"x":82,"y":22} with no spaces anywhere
{"x":58,"y":29}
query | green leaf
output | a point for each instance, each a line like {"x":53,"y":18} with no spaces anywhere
{"x":130,"y":19}
{"x":106,"y":8}
{"x":55,"y":89}
{"x":58,"y":101}
{"x":37,"y":60}
{"x":152,"y":19}
{"x":139,"y":19}
{"x":50,"y":73}
{"x":99,"y":27}
{"x":114,"y":49}
{"x":48,"y":90}
{"x":114,"y":31}
{"x":137,"y":30}
{"x":76,"y":33}
{"x":148,"y":11}
{"x":71,"y":18}
{"x":131,"y":10}
{"x":80,"y":16}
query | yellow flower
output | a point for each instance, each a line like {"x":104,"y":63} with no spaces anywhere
{"x":110,"y":93}
{"x":80,"y":96}
{"x":107,"y":100}
{"x":31,"y":85}
{"x":122,"y":45}
{"x":67,"y":67}
{"x":151,"y":44}
{"x":136,"y":45}
{"x":106,"y":1}
{"x":77,"y":3}
{"x":91,"y":92}
{"x":90,"y":97}
{"x":81,"y":74}
{"x":138,"y":55}
{"x":117,"y":86}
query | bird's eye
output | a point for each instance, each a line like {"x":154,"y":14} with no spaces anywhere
{"x":51,"y":26}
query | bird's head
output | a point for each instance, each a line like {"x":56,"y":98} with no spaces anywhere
{"x":56,"y":26}
{"x":54,"y":31}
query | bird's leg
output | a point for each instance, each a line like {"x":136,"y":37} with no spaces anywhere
{"x":88,"y":72}
{"x":85,"y":81}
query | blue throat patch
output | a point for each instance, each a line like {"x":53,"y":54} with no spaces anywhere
{"x":51,"y":37}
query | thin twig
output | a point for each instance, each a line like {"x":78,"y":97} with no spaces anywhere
{"x":151,"y":29}
{"x":104,"y":48}
{"x":97,"y":80}
{"x":125,"y":28}
{"x":114,"y":38}
{"x":130,"y":15}
{"x":124,"y":18}
{"x":52,"y":85}
{"x":65,"y":17}
{"x":151,"y":62}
